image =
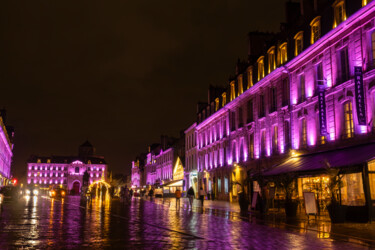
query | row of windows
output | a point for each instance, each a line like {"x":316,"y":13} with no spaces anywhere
{"x":339,"y":12}
{"x":46,"y":168}
{"x":216,"y":158}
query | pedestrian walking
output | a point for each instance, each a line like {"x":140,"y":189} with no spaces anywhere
{"x":191,"y":196}
{"x":126,"y":194}
{"x":131,"y":193}
{"x":202,"y":194}
{"x":178,"y":198}
{"x":151,"y":193}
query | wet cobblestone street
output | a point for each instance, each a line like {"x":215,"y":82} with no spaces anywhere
{"x":40,"y":223}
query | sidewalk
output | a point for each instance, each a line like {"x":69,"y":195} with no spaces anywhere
{"x":361,"y":233}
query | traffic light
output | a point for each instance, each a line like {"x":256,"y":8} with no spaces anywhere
{"x":14,"y":181}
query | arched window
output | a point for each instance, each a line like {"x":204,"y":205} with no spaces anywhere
{"x":77,"y":170}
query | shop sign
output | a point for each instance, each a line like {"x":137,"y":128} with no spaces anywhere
{"x":359,"y":96}
{"x":322,"y":110}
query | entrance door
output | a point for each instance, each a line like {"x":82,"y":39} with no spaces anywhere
{"x":76,"y":187}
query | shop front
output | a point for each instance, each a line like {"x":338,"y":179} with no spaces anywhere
{"x":178,"y":181}
{"x":355,"y":168}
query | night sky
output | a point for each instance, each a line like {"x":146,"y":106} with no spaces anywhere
{"x":118,"y":73}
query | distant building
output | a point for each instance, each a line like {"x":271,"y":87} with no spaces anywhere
{"x":67,"y":171}
{"x":191,"y":173}
{"x":162,"y":165}
{"x":6,"y":148}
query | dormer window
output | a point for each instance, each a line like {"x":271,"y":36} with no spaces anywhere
{"x":217,"y":104}
{"x":260,"y":67}
{"x":232,"y":91}
{"x":271,"y":59}
{"x":298,"y":43}
{"x":283,"y":53}
{"x":339,"y":12}
{"x":224,"y":96}
{"x":250,"y":78}
{"x":315,"y":29}
{"x":240,"y":85}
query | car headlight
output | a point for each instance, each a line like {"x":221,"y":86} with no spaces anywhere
{"x":35,"y":192}
{"x":27,"y":191}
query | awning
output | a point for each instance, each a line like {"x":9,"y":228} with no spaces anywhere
{"x":338,"y":158}
{"x":175,"y":183}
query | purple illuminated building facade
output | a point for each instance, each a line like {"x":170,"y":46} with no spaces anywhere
{"x":309,"y":89}
{"x":159,"y":165}
{"x":67,"y":171}
{"x":6,"y":151}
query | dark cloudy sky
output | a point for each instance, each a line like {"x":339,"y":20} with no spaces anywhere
{"x":119,"y":73}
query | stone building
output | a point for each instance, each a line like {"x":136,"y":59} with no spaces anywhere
{"x":302,"y":92}
{"x":67,"y":171}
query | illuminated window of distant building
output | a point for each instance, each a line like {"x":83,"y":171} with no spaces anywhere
{"x":271,"y":59}
{"x":251,"y":146}
{"x":240,"y":85}
{"x":348,"y":120}
{"x":301,"y":88}
{"x":303,"y":134}
{"x":364,"y":2}
{"x":274,"y":139}
{"x":249,"y":77}
{"x":339,"y":12}
{"x":224,"y":96}
{"x":48,"y":160}
{"x":260,"y":67}
{"x":298,"y":43}
{"x":283,"y":53}
{"x":217,"y":104}
{"x":38,"y":161}
{"x":232,"y":91}
{"x":315,"y":29}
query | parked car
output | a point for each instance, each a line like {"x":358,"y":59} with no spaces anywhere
{"x":9,"y":193}
{"x":57,"y":193}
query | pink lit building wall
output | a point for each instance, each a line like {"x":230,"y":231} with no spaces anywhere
{"x":262,"y":118}
{"x":159,"y":167}
{"x":66,"y":171}
{"x":6,"y":155}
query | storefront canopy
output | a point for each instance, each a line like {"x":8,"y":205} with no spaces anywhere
{"x":339,"y":158}
{"x":175,"y":183}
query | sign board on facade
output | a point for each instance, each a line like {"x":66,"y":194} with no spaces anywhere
{"x":359,"y":96}
{"x":322,"y":110}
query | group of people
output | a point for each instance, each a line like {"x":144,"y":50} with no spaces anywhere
{"x":190,"y":195}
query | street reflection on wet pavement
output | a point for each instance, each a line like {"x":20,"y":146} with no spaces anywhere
{"x":41,"y":222}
